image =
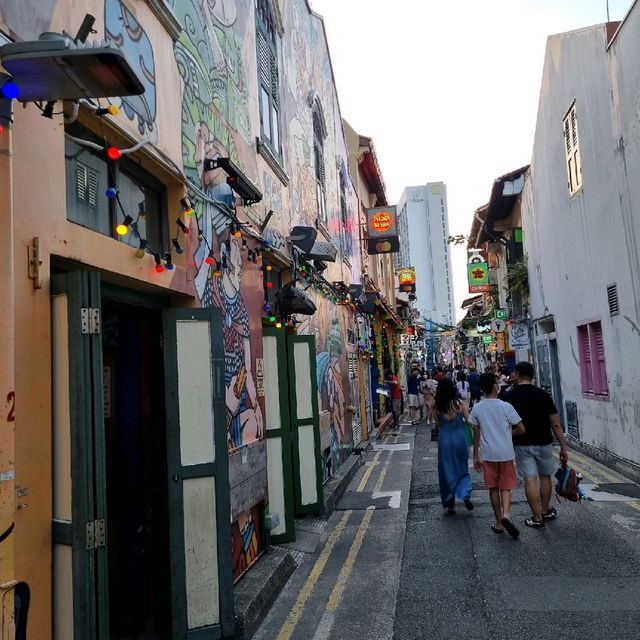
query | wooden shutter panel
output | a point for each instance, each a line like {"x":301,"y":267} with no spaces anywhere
{"x":600,"y":372}
{"x":586,"y":374}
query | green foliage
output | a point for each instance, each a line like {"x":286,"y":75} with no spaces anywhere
{"x":517,"y":280}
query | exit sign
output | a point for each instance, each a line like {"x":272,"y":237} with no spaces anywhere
{"x":487,"y":340}
{"x":502,"y":314}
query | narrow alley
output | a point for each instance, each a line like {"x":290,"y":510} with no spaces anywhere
{"x":390,"y":564}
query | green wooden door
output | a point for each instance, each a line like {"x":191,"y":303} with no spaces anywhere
{"x":79,"y":487}
{"x":198,"y":476}
{"x":279,"y":434}
{"x":305,"y":421}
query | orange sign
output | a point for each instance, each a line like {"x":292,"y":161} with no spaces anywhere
{"x":407,"y":276}
{"x":382,"y":221}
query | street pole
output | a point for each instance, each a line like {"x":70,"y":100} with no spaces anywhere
{"x":7,"y":390}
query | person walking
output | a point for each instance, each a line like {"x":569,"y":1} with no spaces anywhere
{"x":534,"y":449}
{"x":474,"y":387}
{"x":429,"y":387}
{"x":495,"y":423}
{"x":464,"y":391}
{"x":413,"y":383}
{"x":453,"y":450}
{"x":396,"y":396}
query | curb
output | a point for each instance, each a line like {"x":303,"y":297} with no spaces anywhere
{"x":336,"y":487}
{"x":621,"y":465}
{"x":258,"y":590}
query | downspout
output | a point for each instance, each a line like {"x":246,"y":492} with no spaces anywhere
{"x":7,"y":392}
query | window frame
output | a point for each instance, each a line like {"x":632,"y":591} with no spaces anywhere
{"x":319,"y":162}
{"x":271,"y":84}
{"x":571,"y":146}
{"x":593,"y":369}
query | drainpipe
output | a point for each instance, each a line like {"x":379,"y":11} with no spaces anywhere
{"x":7,"y":390}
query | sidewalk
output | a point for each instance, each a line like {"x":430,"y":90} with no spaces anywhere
{"x":572,"y":581}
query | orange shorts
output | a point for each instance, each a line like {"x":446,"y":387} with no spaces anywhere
{"x":499,"y":475}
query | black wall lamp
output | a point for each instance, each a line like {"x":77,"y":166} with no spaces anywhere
{"x":235,"y":179}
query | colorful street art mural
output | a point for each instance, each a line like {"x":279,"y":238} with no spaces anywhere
{"x":124,"y":31}
{"x":247,"y":541}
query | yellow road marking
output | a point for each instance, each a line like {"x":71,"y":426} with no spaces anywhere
{"x":296,"y":611}
{"x":601,"y":472}
{"x":367,"y":474}
{"x":347,"y":567}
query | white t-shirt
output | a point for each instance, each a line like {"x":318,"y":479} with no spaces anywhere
{"x":463,"y":389}
{"x":495,"y":419}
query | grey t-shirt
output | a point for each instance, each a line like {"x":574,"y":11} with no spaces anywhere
{"x":495,"y":419}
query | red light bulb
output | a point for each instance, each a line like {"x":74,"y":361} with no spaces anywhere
{"x":209,"y":260}
{"x":269,"y":285}
{"x":159,"y":268}
{"x":113,"y":153}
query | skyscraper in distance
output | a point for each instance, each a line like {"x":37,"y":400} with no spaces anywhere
{"x":424,"y":229}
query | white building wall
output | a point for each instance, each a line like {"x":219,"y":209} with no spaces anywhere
{"x":578,"y":245}
{"x":423,"y":245}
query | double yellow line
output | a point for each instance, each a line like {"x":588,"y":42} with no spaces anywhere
{"x":295,"y":614}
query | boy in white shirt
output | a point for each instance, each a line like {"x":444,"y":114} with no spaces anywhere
{"x":494,"y":424}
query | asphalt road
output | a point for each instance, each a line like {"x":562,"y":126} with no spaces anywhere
{"x":406,"y":571}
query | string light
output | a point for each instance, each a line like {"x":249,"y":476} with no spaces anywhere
{"x":278,"y":325}
{"x":111,"y":193}
{"x":218,"y":272}
{"x":142,"y":250}
{"x":158,"y":259}
{"x":113,"y":153}
{"x":177,"y":247}
{"x":141,"y":209}
{"x":123,"y":228}
{"x":10,"y":90}
{"x":169,"y":266}
{"x":209,"y":258}
{"x":183,"y":227}
{"x":245,"y":246}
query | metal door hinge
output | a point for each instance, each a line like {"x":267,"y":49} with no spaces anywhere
{"x":35,"y":263}
{"x":96,"y":534}
{"x":90,"y":320}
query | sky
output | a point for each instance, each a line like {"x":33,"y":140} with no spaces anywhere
{"x":448,"y":89}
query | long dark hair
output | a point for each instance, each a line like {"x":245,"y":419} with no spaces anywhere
{"x":446,"y":396}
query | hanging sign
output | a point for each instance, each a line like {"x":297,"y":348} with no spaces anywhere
{"x":502,"y":314}
{"x":382,"y":228}
{"x":407,"y":279}
{"x":519,"y":336}
{"x":478,"y":275}
{"x":487,"y":339}
{"x":498,"y":326}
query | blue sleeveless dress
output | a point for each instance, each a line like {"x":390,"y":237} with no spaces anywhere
{"x":453,"y":461}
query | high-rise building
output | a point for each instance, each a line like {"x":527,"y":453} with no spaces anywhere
{"x":424,"y":229}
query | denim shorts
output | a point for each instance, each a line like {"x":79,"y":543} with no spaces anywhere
{"x":535,"y":461}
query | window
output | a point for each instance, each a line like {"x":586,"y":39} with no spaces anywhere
{"x":318,"y":154}
{"x":266,"y":43}
{"x":572,"y":150}
{"x":612,"y":299}
{"x":593,"y":373}
{"x":343,"y":208}
{"x":141,"y":195}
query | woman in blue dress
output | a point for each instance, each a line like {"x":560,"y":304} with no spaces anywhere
{"x":453,"y":448}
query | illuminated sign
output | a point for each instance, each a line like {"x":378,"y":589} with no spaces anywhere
{"x":478,"y":275}
{"x":407,"y":279}
{"x":382,"y":228}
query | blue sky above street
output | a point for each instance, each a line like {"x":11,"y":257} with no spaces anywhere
{"x":448,"y":89}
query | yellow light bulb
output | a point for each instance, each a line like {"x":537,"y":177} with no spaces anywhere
{"x":237,"y":234}
{"x":113,"y":110}
{"x":269,"y":267}
{"x":188,"y":212}
{"x":122,"y":229}
{"x":278,"y":325}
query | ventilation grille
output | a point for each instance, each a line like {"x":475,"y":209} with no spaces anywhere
{"x":612,"y":298}
{"x":351,"y":336}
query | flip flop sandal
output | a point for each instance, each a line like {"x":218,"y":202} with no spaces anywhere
{"x":511,"y":528}
{"x":496,"y":530}
{"x":534,"y":524}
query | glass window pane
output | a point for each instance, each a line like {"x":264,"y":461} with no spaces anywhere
{"x":276,"y":133}
{"x":265,"y":112}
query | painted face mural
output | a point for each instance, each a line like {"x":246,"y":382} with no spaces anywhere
{"x":123,"y":30}
{"x":214,"y":111}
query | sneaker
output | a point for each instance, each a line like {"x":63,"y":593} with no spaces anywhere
{"x":534,"y":524}
{"x":469,"y":504}
{"x":550,"y":515}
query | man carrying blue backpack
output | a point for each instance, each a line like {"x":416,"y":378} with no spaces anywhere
{"x":534,"y":449}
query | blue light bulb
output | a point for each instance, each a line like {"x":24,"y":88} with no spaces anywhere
{"x":111,"y":192}
{"x":10,"y":90}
